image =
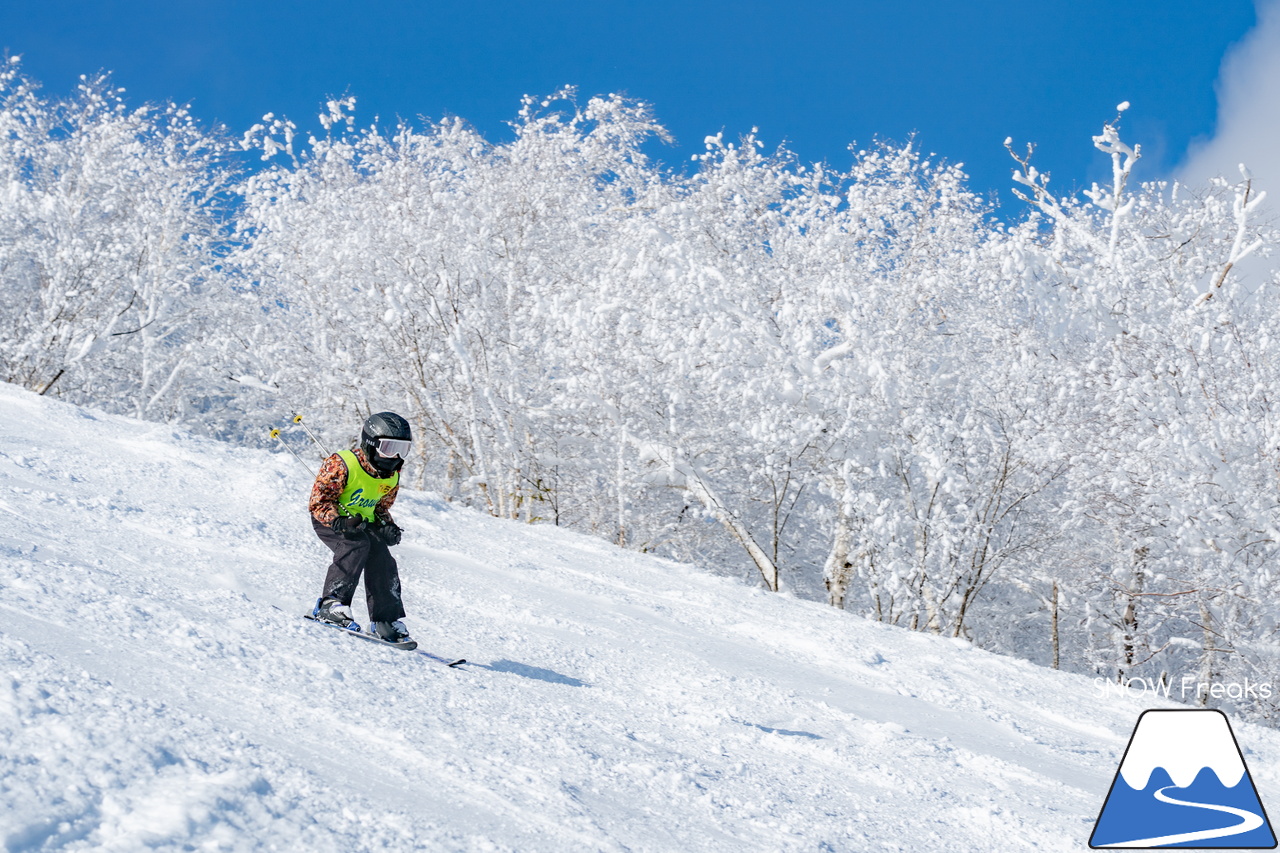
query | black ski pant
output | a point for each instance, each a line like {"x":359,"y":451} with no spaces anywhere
{"x":367,"y":556}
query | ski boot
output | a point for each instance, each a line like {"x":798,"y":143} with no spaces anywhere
{"x":392,"y":632}
{"x":336,"y":613}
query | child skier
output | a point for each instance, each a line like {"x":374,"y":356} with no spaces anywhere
{"x":350,"y":511}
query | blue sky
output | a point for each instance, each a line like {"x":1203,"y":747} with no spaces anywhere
{"x":816,"y":75}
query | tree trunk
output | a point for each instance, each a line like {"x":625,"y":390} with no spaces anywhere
{"x":1129,"y":619}
{"x":1053,"y":625}
{"x":1209,"y":646}
{"x":694,"y":483}
{"x":836,"y":572}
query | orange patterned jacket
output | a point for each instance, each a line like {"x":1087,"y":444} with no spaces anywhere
{"x":330,"y":482}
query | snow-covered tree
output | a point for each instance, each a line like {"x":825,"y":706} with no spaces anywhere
{"x":1168,"y":368}
{"x":1053,"y":435}
{"x":109,"y":242}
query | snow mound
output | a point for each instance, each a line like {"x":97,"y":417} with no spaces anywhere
{"x":159,"y":690}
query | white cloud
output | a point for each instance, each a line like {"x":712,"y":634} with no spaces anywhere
{"x":1248,"y":128}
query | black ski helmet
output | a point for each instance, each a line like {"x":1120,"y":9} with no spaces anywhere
{"x":383,"y":425}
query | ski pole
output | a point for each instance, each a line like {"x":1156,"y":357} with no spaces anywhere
{"x":275,"y":433}
{"x":297,"y":419}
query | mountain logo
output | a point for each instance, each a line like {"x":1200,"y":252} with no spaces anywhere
{"x":1183,"y":783}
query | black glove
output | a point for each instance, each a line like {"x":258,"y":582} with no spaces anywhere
{"x":388,"y":532}
{"x":349,"y":527}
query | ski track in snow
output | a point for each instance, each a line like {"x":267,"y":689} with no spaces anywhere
{"x":159,"y":690}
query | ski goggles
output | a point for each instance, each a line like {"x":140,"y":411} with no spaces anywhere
{"x":389,"y":447}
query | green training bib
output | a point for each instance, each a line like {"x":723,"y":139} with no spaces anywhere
{"x":363,"y":490}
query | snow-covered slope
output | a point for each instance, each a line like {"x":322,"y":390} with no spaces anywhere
{"x":158,"y":690}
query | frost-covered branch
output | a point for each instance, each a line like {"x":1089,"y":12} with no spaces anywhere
{"x":1246,"y":203}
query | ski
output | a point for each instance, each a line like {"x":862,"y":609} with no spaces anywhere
{"x":408,"y":646}
{"x":449,"y":663}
